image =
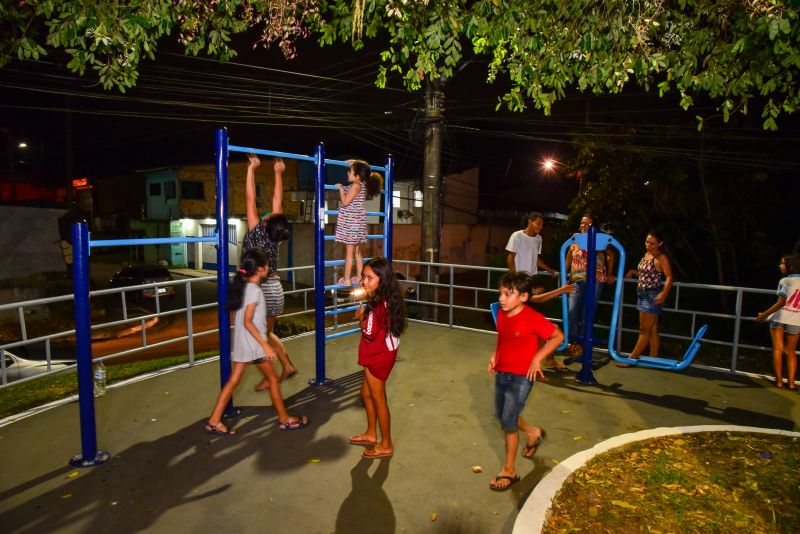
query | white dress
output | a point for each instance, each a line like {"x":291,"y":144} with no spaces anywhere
{"x":245,"y":348}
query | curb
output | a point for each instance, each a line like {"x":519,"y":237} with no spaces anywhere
{"x":533,"y":514}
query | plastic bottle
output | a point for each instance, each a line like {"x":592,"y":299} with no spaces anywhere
{"x":99,"y":376}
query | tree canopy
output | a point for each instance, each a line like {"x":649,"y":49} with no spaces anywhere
{"x":735,"y":51}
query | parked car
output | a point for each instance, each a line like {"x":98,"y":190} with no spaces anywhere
{"x":134,"y":275}
{"x":18,"y":368}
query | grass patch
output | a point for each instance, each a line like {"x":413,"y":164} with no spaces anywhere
{"x":20,"y":397}
{"x":703,"y":482}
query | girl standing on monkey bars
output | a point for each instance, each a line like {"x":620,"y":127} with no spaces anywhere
{"x":268,"y":233}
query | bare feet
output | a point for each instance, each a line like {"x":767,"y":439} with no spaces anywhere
{"x":288,"y":373}
{"x":263,"y":385}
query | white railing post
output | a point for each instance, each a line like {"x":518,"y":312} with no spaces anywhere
{"x":189,"y":326}
{"x":736,"y":328}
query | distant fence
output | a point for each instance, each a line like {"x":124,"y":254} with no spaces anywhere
{"x":458,"y":296}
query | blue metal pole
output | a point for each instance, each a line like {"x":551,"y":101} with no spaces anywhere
{"x":388,"y":188}
{"x":223,"y":315}
{"x":83,"y":344}
{"x":319,"y":267}
{"x":585,"y":375}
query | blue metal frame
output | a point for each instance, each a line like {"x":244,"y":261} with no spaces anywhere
{"x":83,"y":344}
{"x":319,"y":257}
{"x":601,"y":242}
{"x":592,"y":241}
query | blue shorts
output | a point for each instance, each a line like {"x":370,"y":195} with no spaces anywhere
{"x":787,"y":328}
{"x":646,"y":301}
{"x":510,"y":393}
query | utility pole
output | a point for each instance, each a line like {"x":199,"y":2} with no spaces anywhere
{"x":431,"y":219}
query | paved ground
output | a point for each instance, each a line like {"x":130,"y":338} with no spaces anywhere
{"x":167,"y":475}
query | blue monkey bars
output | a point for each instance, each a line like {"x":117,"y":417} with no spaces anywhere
{"x":82,"y":244}
{"x":320,"y":162}
{"x":319,"y":257}
{"x":83,"y":342}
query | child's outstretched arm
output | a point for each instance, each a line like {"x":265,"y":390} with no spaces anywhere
{"x":550,"y":295}
{"x":548,"y":348}
{"x":780,"y":303}
{"x":351,"y":193}
{"x":277,"y":191}
{"x":250,"y":191}
{"x":269,"y":352}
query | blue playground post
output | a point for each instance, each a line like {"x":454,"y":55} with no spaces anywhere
{"x":83,"y":343}
{"x":319,"y":266}
{"x":585,"y":375}
{"x":388,"y":219}
{"x":223,"y":316}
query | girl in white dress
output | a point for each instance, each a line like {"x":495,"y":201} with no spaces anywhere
{"x":250,"y":345}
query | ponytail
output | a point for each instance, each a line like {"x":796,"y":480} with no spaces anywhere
{"x":374,"y":184}
{"x":252,"y":259}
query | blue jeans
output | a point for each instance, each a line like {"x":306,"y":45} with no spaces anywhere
{"x":575,"y":306}
{"x":510,"y":393}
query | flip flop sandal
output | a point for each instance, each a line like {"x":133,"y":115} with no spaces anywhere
{"x":375,"y":453}
{"x":214,"y":429}
{"x":498,"y":478}
{"x":529,"y":450}
{"x":358,"y":440}
{"x":297,"y":424}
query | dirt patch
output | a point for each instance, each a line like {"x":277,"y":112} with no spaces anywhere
{"x":703,"y":482}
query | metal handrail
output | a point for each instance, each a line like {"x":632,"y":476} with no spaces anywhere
{"x":448,"y":273}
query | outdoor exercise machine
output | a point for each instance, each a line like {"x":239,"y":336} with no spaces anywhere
{"x":592,"y":241}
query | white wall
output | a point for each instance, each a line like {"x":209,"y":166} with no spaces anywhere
{"x":29,"y":241}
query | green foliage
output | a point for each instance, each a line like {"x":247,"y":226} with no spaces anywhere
{"x":731,"y":50}
{"x":112,"y":37}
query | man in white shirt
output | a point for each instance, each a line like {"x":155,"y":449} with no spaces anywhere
{"x":525,"y":246}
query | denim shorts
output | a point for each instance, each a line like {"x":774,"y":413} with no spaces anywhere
{"x":510,"y":393}
{"x":646,"y":301}
{"x":787,"y":328}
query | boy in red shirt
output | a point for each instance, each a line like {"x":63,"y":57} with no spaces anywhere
{"x":516,"y":363}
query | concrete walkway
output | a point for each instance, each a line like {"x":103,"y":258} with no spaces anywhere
{"x":167,"y":475}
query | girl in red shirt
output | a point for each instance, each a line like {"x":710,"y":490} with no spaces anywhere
{"x":382,"y":322}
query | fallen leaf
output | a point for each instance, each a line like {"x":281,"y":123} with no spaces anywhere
{"x":566,"y":411}
{"x":556,"y":461}
{"x":623,"y":504}
{"x":72,"y":474}
{"x":314,"y":460}
{"x":477,"y":469}
{"x":114,"y":503}
{"x":434,"y":516}
{"x":66,"y":496}
{"x":576,"y":438}
{"x":167,"y":393}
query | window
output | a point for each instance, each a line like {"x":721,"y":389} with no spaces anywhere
{"x":210,"y":230}
{"x":192,"y":190}
{"x":155,"y":189}
{"x":417,"y":199}
{"x":169,"y":189}
{"x":395,"y":199}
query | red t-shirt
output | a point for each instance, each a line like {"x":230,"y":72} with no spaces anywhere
{"x":518,"y":339}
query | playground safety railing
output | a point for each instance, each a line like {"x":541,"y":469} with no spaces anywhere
{"x":449,"y":290}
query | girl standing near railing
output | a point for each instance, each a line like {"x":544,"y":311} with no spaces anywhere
{"x":784,"y":316}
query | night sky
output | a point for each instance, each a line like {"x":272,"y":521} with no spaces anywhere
{"x":75,"y":128}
